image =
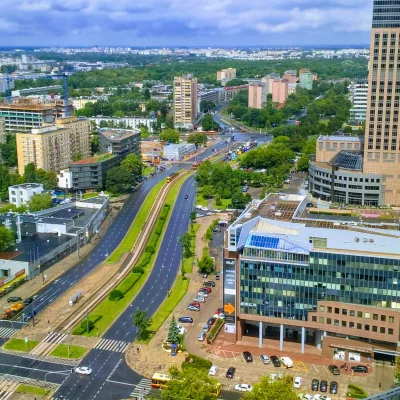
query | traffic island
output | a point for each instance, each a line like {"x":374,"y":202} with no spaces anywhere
{"x":20,"y":345}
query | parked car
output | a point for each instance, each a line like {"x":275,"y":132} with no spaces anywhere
{"x":243,"y":387}
{"x":210,"y":321}
{"x":205,"y":275}
{"x":315,"y":385}
{"x":193,"y":308}
{"x":359,"y":368}
{"x":334,"y":369}
{"x":217,"y":230}
{"x":275,"y":361}
{"x":219,"y":310}
{"x":213,"y":370}
{"x":195,"y":303}
{"x":202,"y":294}
{"x":207,"y":289}
{"x":297,"y":382}
{"x":14,"y":299}
{"x":186,"y":196}
{"x":201,"y":336}
{"x":230,"y":373}
{"x":287,"y":362}
{"x":323,"y":387}
{"x":83,"y":370}
{"x":28,"y":300}
{"x":218,"y":276}
{"x":206,"y":328}
{"x":247,"y":356}
{"x":181,"y":330}
{"x":185,"y":320}
{"x":265,"y":359}
{"x":200,"y":299}
{"x":209,"y":283}
{"x":319,"y":396}
{"x":333,"y":387}
{"x":220,"y":316}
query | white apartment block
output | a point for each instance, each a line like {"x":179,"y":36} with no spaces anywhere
{"x":127,"y":122}
{"x":21,"y":194}
{"x":359,"y":98}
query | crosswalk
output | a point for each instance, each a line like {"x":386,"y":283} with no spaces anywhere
{"x":142,"y":388}
{"x":112,"y":345}
{"x":7,"y":333}
{"x":7,"y":389}
{"x":55,"y":337}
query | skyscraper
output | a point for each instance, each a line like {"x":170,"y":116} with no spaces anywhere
{"x":185,"y":101}
{"x":382,"y":145}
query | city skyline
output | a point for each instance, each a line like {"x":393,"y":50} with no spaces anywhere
{"x":170,"y":23}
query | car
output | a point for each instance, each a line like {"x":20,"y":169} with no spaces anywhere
{"x":213,"y":370}
{"x":211,"y":321}
{"x":307,"y":397}
{"x":185,"y":320}
{"x":220,"y":316}
{"x":28,"y":317}
{"x":194,"y":303}
{"x":14,"y":299}
{"x":321,"y":397}
{"x":247,"y":356}
{"x":265,"y":359}
{"x":315,"y":385}
{"x":297,"y":382}
{"x":206,"y":289}
{"x":359,"y":368}
{"x":201,"y":336}
{"x":199,"y":207}
{"x":217,"y":230}
{"x":181,"y":330}
{"x":202,"y":294}
{"x":231,"y":372}
{"x":323,"y":387}
{"x":205,"y":275}
{"x":275,"y":361}
{"x":209,"y":284}
{"x":186,"y":196}
{"x":219,"y":310}
{"x":193,"y":308}
{"x":206,"y":328}
{"x":28,"y":300}
{"x":287,"y":362}
{"x":243,"y":387}
{"x":309,"y":205}
{"x":83,"y":370}
{"x":334,"y":369}
{"x":218,"y":276}
{"x":333,"y":387}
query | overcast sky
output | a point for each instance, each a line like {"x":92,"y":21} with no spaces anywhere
{"x":184,"y":22}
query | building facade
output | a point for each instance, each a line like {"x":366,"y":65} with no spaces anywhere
{"x":119,"y":142}
{"x":21,"y":194}
{"x":53,"y":147}
{"x":268,"y":79}
{"x":359,"y":100}
{"x":126,"y":122}
{"x":226,"y":75}
{"x":80,"y":102}
{"x":3,"y":136}
{"x":280,"y":91}
{"x":178,"y":151}
{"x":292,"y":87}
{"x":306,"y":80}
{"x":290,"y":76}
{"x":257,"y":95}
{"x":185,"y":101}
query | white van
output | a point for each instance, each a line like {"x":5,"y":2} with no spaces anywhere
{"x":287,"y":362}
{"x":213,"y":370}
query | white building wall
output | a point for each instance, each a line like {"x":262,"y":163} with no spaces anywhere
{"x":21,"y":194}
{"x":133,"y":122}
{"x":64,"y":179}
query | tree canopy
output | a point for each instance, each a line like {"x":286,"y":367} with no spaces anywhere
{"x":133,"y":165}
{"x":39,"y":202}
{"x":6,"y":237}
{"x":197,"y":138}
{"x":170,"y":135}
{"x":142,"y":323}
{"x":208,"y":123}
{"x":280,"y":389}
{"x":118,"y":180}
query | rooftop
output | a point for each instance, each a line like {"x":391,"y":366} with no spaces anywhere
{"x":29,"y":107}
{"x":118,"y":134}
{"x":94,"y":160}
{"x":340,"y":137}
{"x":27,"y":186}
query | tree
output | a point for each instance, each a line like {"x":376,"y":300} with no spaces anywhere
{"x":115,"y":295}
{"x":197,"y":138}
{"x":6,"y":237}
{"x":170,"y":135}
{"x":206,"y":106}
{"x":142,"y":323}
{"x":169,"y":122}
{"x":193,"y":215}
{"x":280,"y":389}
{"x":133,"y":165}
{"x":208,"y":123}
{"x":206,"y":264}
{"x":236,"y":82}
{"x":146,"y":94}
{"x":173,"y":332}
{"x":144,"y":131}
{"x":39,"y":202}
{"x":190,"y":384}
{"x":186,"y":241}
{"x":48,"y":179}
{"x":29,"y":173}
{"x":118,"y":180}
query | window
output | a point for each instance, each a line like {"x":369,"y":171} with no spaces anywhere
{"x":336,"y":322}
{"x":382,"y":330}
{"x":336,"y":311}
{"x":359,"y":326}
{"x":374,"y":328}
{"x":329,"y":321}
{"x":321,"y":320}
{"x":321,"y":308}
{"x":375,"y":317}
{"x":390,"y":331}
{"x":367,"y":315}
{"x":314,"y":318}
{"x":391,"y":320}
{"x":359,"y":314}
{"x":330,"y":310}
{"x":383,"y":318}
{"x":351,"y":324}
{"x":352,"y":313}
{"x":344,"y":311}
{"x":366,"y":327}
{"x":344,"y":324}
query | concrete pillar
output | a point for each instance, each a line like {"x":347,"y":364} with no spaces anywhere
{"x":324,"y":333}
{"x":303,"y":338}
{"x":260,"y":334}
{"x":281,"y":337}
{"x":318,"y":339}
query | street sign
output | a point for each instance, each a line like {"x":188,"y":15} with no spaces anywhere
{"x":229,"y":278}
{"x":229,"y":308}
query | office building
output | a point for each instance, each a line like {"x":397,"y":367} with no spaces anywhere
{"x":21,"y":194}
{"x":226,"y":75}
{"x":332,"y":290}
{"x":176,"y":152}
{"x":306,"y":80}
{"x":359,"y":100}
{"x":119,"y":142}
{"x":257,"y":95}
{"x":3,"y":137}
{"x":185,"y":101}
{"x":280,"y":91}
{"x":290,"y":76}
{"x":53,"y":147}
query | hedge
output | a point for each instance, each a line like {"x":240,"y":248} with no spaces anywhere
{"x":196,"y":362}
{"x":128,"y":282}
{"x":215,"y":328}
{"x":356,"y":392}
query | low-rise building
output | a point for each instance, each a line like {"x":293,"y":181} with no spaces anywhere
{"x":306,"y":80}
{"x":119,"y":142}
{"x":64,"y":179}
{"x":21,"y":194}
{"x":126,"y":122}
{"x":80,"y":102}
{"x":176,"y":152}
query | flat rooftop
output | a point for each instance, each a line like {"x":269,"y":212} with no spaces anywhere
{"x":94,"y":160}
{"x":118,"y":134}
{"x":27,"y":186}
{"x":340,"y":138}
{"x":28,"y":107}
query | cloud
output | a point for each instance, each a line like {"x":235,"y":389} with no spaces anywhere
{"x":187,"y":21}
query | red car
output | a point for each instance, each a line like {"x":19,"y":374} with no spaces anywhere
{"x":207,"y":289}
{"x":195,"y":303}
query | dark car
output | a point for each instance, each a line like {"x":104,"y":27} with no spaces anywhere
{"x":309,"y":205}
{"x":14,"y":299}
{"x":334,"y":369}
{"x":218,"y":276}
{"x":209,"y":283}
{"x":185,"y":320}
{"x":275,"y":361}
{"x":315,"y":385}
{"x":210,"y":321}
{"x":333,"y":387}
{"x":186,"y":196}
{"x":247,"y":356}
{"x":28,"y":317}
{"x":230,"y":373}
{"x":28,"y":301}
{"x":205,"y":289}
{"x":324,"y":386}
{"x":359,"y":368}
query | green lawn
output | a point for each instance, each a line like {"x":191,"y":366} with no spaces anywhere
{"x":188,"y":262}
{"x":137,"y":225}
{"x":89,"y":195}
{"x":200,"y":200}
{"x":110,"y":310}
{"x":148,"y":170}
{"x":28,"y":389}
{"x":20,"y":345}
{"x":225,"y":203}
{"x":74,"y":351}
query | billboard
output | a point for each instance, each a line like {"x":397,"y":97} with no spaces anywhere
{"x":229,"y":302}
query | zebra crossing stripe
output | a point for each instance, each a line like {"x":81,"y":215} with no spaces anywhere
{"x":55,"y":337}
{"x":111,"y":345}
{"x":142,"y":388}
{"x":7,"y":332}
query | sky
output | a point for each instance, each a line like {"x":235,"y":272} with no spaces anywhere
{"x":184,"y":22}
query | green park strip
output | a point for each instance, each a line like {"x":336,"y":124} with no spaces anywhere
{"x":200,"y":200}
{"x":137,"y":225}
{"x":28,"y":389}
{"x":62,"y":351}
{"x":189,"y":261}
{"x":148,"y":170}
{"x":105,"y":313}
{"x":20,"y":345}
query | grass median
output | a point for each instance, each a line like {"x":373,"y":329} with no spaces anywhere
{"x":20,"y":345}
{"x":108,"y":310}
{"x":137,"y":225}
{"x":28,"y":389}
{"x":62,"y":351}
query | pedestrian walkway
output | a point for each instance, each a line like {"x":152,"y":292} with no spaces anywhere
{"x":142,"y":388}
{"x":49,"y":343}
{"x":7,"y":332}
{"x":111,"y":345}
{"x":7,"y":389}
{"x":55,"y":337}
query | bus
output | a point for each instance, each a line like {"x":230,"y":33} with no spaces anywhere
{"x":172,"y":176}
{"x":160,"y":381}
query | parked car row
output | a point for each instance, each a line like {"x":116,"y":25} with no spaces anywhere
{"x":322,"y":386}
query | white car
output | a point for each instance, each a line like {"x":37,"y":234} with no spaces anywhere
{"x":297,"y":382}
{"x":199,"y":207}
{"x":83,"y":370}
{"x":306,"y":397}
{"x":321,"y":397}
{"x":221,"y":316}
{"x":181,"y":330}
{"x":243,"y":387}
{"x":213,"y":370}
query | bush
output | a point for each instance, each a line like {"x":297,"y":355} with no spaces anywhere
{"x":128,"y":282}
{"x":115,"y":295}
{"x":195,"y":362}
{"x":138,"y":270}
{"x":82,"y":328}
{"x":215,"y":328}
{"x":149,"y":249}
{"x":356,"y":392}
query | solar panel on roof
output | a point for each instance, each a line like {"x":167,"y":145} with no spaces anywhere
{"x":349,"y":160}
{"x":70,"y":213}
{"x":264,"y":241}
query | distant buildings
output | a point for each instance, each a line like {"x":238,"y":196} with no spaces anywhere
{"x":221,"y":95}
{"x":126,"y":122}
{"x":257,"y":95}
{"x":226,"y":75}
{"x":280,"y":91}
{"x":53,"y":147}
{"x":3,"y":84}
{"x":306,"y":79}
{"x":290,"y":76}
{"x":359,"y":100}
{"x":292,"y":87}
{"x":21,"y":194}
{"x":79,"y":102}
{"x":185,"y":101}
